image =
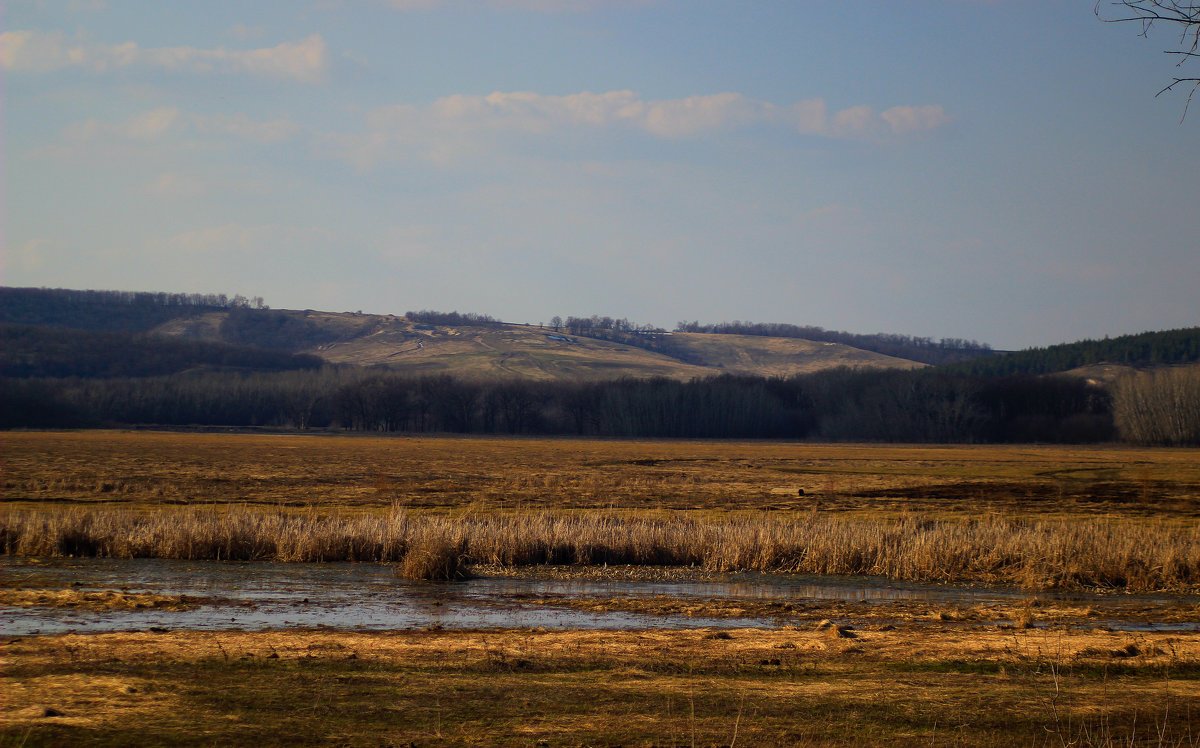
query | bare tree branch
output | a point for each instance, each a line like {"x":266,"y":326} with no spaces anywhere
{"x":1182,"y":13}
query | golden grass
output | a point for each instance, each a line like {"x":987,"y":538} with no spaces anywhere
{"x":1040,"y":517}
{"x":884,"y":615}
{"x":747,"y":687}
{"x":1052,"y":554}
{"x":92,"y":599}
{"x":435,"y":552}
{"x":446,"y":473}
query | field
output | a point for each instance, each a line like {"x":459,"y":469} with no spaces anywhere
{"x":149,"y":470}
{"x":1096,"y":669}
{"x":744,"y":687}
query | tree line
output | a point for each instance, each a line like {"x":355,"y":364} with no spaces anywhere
{"x":452,"y":319}
{"x":1163,"y":348}
{"x":1160,"y":406}
{"x":110,"y":310}
{"x":845,"y":405}
{"x":56,"y":352}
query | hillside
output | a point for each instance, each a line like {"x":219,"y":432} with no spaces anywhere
{"x":65,"y":352}
{"x":468,"y":346}
{"x":487,"y":351}
{"x":1091,"y":357}
{"x":907,"y":347}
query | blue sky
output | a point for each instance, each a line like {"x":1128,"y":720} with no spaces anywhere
{"x":998,"y":170}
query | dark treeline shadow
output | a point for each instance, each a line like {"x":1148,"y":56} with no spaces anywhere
{"x":1163,"y":348}
{"x":131,"y":311}
{"x":40,"y":352}
{"x":839,"y":405}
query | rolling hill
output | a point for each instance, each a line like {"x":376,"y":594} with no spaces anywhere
{"x":520,"y":351}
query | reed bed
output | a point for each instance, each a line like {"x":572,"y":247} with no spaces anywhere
{"x":1048,"y":554}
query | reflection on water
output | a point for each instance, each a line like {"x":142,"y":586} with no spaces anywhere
{"x":253,"y":596}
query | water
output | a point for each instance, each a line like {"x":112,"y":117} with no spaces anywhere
{"x":258,"y":596}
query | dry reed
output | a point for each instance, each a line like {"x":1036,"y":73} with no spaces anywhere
{"x":1033,"y":554}
{"x":436,"y":551}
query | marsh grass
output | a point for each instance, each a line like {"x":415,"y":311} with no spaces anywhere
{"x":1036,"y":555}
{"x":436,"y":553}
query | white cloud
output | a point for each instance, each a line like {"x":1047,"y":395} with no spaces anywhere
{"x":908,"y":119}
{"x":668,"y":118}
{"x":305,"y":60}
{"x":451,"y":127}
{"x":852,"y":122}
{"x":697,"y":114}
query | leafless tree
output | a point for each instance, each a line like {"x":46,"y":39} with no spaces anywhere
{"x":1182,"y":15}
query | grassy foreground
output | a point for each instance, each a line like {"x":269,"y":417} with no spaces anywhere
{"x":952,"y":687}
{"x":900,"y":675}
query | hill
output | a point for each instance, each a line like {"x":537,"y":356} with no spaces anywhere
{"x":82,"y":358}
{"x":128,"y":311}
{"x":1099,"y":359}
{"x":469,"y":346}
{"x":27,"y":351}
{"x":482,"y":351}
{"x":924,"y":350}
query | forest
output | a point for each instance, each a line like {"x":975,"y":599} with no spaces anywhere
{"x":81,"y":359}
{"x":837,"y":405}
{"x":29,"y":351}
{"x":1164,"y":348}
{"x":131,"y":311}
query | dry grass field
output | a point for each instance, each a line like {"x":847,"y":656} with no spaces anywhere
{"x":151,"y":469}
{"x":1035,"y":517}
{"x":943,"y":685}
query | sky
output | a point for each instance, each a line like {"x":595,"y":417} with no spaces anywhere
{"x":996,"y":170}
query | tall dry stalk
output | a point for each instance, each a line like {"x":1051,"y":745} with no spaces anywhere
{"x":1046,"y":554}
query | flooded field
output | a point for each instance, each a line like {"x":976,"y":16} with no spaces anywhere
{"x":157,"y":594}
{"x":664,"y":593}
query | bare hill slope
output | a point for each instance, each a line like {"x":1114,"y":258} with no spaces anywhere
{"x":490,"y":351}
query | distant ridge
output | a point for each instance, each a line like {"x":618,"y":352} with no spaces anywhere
{"x":100,"y":358}
{"x":1147,"y":349}
{"x":467,"y":345}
